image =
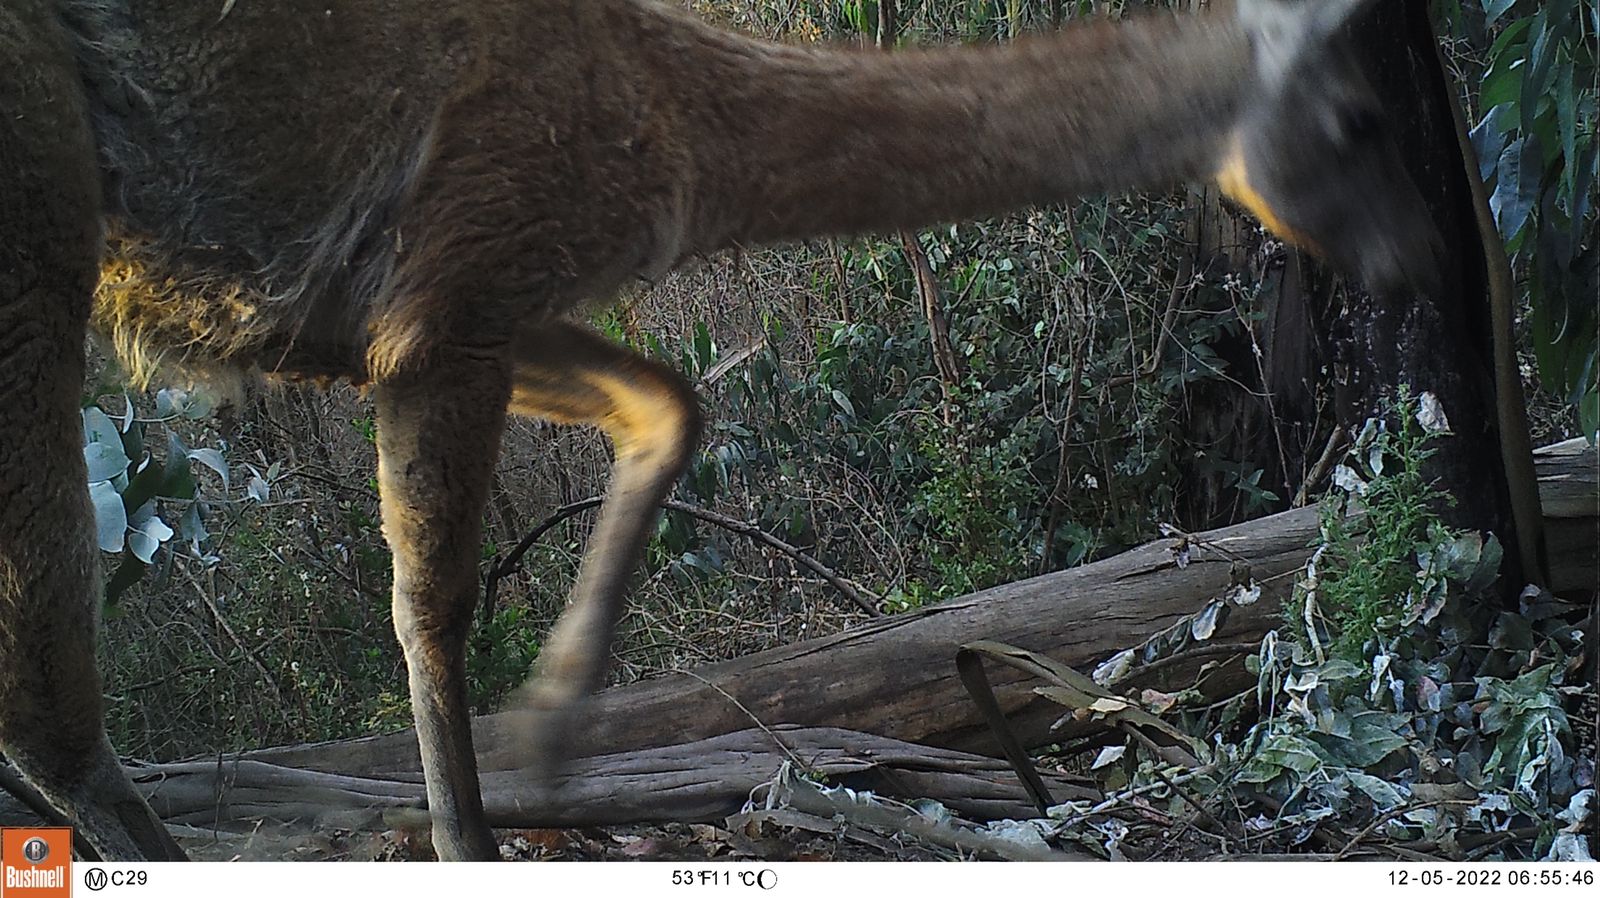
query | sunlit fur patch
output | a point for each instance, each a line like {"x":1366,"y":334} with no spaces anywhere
{"x":1234,"y":179}
{"x":163,"y":328}
{"x":644,"y":412}
{"x":646,"y":416}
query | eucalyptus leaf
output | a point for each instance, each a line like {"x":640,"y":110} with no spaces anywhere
{"x":1565,"y":91}
{"x":1109,"y":755}
{"x":1114,"y":668}
{"x":1539,"y":69}
{"x":142,"y":545}
{"x":1345,"y":478}
{"x":1489,"y":140}
{"x":843,"y":401}
{"x":1459,"y":557}
{"x":1502,"y":84}
{"x":1483,"y":574}
{"x":1281,"y":752}
{"x":1362,"y":748}
{"x":1494,"y":9}
{"x":1516,"y":186}
{"x":1431,"y":415}
{"x":1204,"y":625}
{"x":1384,"y":795}
{"x":98,"y":427}
{"x":704,"y":348}
{"x":168,"y":401}
{"x":129,"y":572}
{"x":1340,"y":669}
{"x":143,"y":486}
{"x":105,"y":461}
{"x":192,"y":527}
{"x":110,"y":518}
{"x":133,"y":441}
{"x":146,"y":533}
{"x":1570,"y":847}
{"x":212,"y":459}
{"x":177,"y":481}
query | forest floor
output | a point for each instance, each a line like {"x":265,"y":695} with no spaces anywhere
{"x":667,"y":842}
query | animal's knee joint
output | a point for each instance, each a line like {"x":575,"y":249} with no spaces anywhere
{"x":653,"y":416}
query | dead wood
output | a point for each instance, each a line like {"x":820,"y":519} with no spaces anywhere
{"x":896,"y":676}
{"x":697,"y":782}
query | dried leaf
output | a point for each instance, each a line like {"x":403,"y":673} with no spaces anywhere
{"x":1430,"y":414}
{"x":1109,"y":755}
{"x":1158,"y":702}
{"x":1114,"y":668}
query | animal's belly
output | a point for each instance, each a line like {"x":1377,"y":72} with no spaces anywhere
{"x":172,"y":309}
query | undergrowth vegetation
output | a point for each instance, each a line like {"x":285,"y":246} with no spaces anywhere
{"x":1398,"y":709}
{"x":1383,"y":703}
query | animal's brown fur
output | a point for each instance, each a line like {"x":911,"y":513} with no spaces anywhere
{"x":51,"y":723}
{"x":415,"y":195}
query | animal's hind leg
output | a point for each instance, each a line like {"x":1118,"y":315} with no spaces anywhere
{"x":569,"y":374}
{"x":51,"y":717}
{"x":438,"y":437}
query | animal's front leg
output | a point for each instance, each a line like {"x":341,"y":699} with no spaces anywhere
{"x":51,"y":709}
{"x":570,"y":374}
{"x":438,"y":437}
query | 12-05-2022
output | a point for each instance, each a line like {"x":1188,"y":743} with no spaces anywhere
{"x":1498,"y":876}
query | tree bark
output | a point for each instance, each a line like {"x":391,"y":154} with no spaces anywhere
{"x":702,"y":781}
{"x":1441,"y":343}
{"x":896,"y":676}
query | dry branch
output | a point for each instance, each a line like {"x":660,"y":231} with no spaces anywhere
{"x":896,"y":676}
{"x":513,"y":560}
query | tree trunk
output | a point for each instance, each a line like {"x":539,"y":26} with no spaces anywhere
{"x":1442,"y":343}
{"x":1373,"y":344}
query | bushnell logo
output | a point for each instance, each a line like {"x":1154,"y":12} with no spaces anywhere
{"x":37,"y":863}
{"x":35,"y":850}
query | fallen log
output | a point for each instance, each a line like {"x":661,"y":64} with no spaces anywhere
{"x":696,"y":782}
{"x":1568,"y":473}
{"x":896,"y":676}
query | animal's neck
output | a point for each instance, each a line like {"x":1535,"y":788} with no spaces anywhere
{"x":790,"y":143}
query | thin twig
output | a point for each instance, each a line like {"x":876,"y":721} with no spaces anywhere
{"x":776,"y":739}
{"x":1320,"y":469}
{"x":513,"y":559}
{"x":1220,"y":830}
{"x":1390,"y":815}
{"x":1189,"y":654}
{"x":216,"y":614}
{"x":846,"y":588}
{"x":1127,"y":795}
{"x":330,"y":482}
